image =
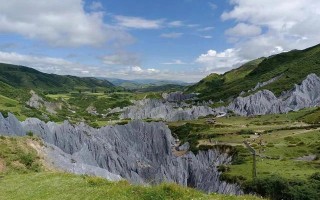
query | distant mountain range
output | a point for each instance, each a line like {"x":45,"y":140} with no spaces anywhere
{"x":144,"y":83}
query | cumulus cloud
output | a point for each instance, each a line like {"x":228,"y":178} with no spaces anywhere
{"x":291,"y":24}
{"x":172,"y":35}
{"x":60,"y":23}
{"x":263,"y":29}
{"x":220,"y":61}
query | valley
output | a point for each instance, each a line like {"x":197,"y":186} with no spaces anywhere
{"x":164,"y":141}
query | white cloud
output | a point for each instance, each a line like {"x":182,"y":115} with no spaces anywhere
{"x":206,"y":36}
{"x":219,"y":62}
{"x":121,"y":58}
{"x":60,"y":23}
{"x":171,"y":35}
{"x":138,"y":22}
{"x":208,"y":28}
{"x":45,"y":64}
{"x":264,"y":28}
{"x":244,"y":30}
{"x":175,"y":62}
{"x":95,"y":5}
{"x":289,"y":24}
{"x":176,"y":24}
{"x":140,"y":71}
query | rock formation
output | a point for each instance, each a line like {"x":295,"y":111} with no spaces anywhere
{"x":139,"y":152}
{"x":37,"y":102}
{"x":178,"y":96}
{"x":160,"y":109}
{"x":305,"y":95}
{"x":260,"y":85}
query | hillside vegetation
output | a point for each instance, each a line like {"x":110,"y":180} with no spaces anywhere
{"x":27,"y":78}
{"x":22,"y":176}
{"x":293,"y":66}
{"x":287,"y":145}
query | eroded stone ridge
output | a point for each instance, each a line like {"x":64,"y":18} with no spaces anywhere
{"x":178,"y":96}
{"x":305,"y":95}
{"x":140,"y":152}
{"x":168,"y":111}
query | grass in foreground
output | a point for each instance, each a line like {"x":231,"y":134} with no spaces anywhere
{"x":66,"y":186}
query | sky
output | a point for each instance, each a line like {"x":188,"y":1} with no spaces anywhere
{"x":182,"y":40}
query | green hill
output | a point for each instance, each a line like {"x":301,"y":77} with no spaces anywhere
{"x":28,"y":78}
{"x":293,"y":67}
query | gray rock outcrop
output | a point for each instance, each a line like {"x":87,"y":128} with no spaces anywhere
{"x":38,"y":102}
{"x":139,"y":152}
{"x":260,"y":85}
{"x":261,"y":103}
{"x":160,"y":109}
{"x":305,"y":95}
{"x":178,"y":96}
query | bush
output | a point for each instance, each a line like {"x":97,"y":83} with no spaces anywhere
{"x":30,"y":133}
{"x":278,"y":188}
{"x":245,"y":132}
{"x":223,"y":168}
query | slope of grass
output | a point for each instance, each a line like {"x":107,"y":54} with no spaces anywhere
{"x":66,"y":186}
{"x":288,"y":64}
{"x":24,"y":77}
{"x":284,"y":141}
{"x":17,"y":156}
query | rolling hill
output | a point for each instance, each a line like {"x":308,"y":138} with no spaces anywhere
{"x":288,"y":68}
{"x":28,"y":78}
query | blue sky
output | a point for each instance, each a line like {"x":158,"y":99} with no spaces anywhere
{"x":161,"y":39}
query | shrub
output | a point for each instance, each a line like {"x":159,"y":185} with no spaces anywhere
{"x":245,"y":132}
{"x":223,"y":168}
{"x":30,"y":133}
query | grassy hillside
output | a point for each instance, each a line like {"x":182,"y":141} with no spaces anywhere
{"x":288,"y":148}
{"x":22,"y":176}
{"x":40,"y":186}
{"x":28,"y":78}
{"x":294,"y":66}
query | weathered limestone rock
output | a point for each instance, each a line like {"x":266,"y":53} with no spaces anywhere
{"x":159,"y":109}
{"x":307,"y":94}
{"x":37,"y":102}
{"x":178,"y":96}
{"x":261,"y":103}
{"x":140,"y":152}
{"x":260,"y":85}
